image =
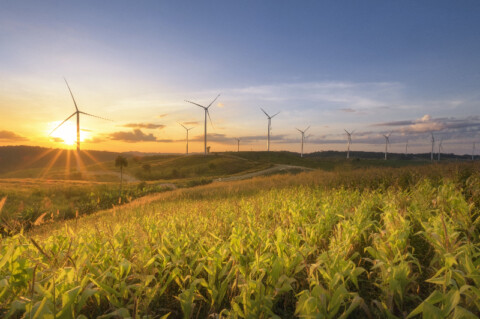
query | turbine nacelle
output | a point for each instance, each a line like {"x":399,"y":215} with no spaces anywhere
{"x":207,"y":113}
{"x":77,"y":113}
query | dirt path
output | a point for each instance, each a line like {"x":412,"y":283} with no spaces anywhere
{"x":276,"y":168}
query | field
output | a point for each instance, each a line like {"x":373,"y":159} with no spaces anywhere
{"x":59,"y":184}
{"x":376,"y":243}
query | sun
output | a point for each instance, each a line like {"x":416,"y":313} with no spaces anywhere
{"x":67,"y":133}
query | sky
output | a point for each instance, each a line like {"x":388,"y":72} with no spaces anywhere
{"x":404,"y":68}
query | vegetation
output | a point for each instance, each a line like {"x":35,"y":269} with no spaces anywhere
{"x":32,"y":201}
{"x":121,"y":162}
{"x":363,"y":243}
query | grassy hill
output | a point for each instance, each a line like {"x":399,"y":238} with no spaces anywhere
{"x":379,"y":242}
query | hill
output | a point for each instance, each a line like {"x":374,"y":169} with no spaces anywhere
{"x":378,"y":243}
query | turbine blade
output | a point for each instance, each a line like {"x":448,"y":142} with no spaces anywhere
{"x":74,"y":102}
{"x":306,"y":129}
{"x":265,"y":112}
{"x":299,"y":130}
{"x":196,"y":104}
{"x":183,"y":126}
{"x":63,"y":122}
{"x":95,"y":116}
{"x":208,"y":113}
{"x":274,"y":115}
{"x":213,"y":101}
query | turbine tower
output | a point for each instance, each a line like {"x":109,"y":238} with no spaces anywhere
{"x":473,"y":151}
{"x":406,"y":147}
{"x":77,"y":113}
{"x":186,"y":129}
{"x":387,"y":141}
{"x":269,"y":127}
{"x":349,"y":137}
{"x":206,"y":113}
{"x":303,"y":138}
{"x":433,"y":144}
{"x":440,"y":148}
{"x":238,"y":144}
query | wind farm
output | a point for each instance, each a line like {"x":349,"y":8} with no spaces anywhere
{"x":361,"y":199}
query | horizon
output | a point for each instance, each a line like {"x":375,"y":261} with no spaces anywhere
{"x":372,"y":67}
{"x":353,"y":152}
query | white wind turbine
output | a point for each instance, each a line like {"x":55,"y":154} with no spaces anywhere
{"x":206,"y":113}
{"x":186,"y":129}
{"x":349,"y":137}
{"x":77,"y":113}
{"x":238,"y":144}
{"x":433,"y":144}
{"x":269,"y":127}
{"x":473,"y":151}
{"x":440,"y":149}
{"x":387,"y":141}
{"x":406,"y":147}
{"x":303,"y":138}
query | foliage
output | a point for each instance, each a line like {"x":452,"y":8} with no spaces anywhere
{"x":313,"y":245}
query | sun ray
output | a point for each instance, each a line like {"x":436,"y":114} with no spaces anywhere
{"x":67,"y":163}
{"x":51,"y":163}
{"x":37,"y":158}
{"x":95,"y":161}
{"x":78,"y":160}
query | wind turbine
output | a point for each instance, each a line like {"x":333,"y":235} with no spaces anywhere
{"x":387,"y":141}
{"x":269,"y":127}
{"x":473,"y":151}
{"x":303,"y":138}
{"x":206,"y":113}
{"x":349,"y":137}
{"x":440,"y":148}
{"x":238,"y":144}
{"x":433,"y":144}
{"x":186,"y":129}
{"x":406,"y":147}
{"x":77,"y":113}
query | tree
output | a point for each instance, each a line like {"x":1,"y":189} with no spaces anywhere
{"x":121,"y":162}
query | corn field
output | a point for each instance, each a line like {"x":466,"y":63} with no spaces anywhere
{"x":304,"y":251}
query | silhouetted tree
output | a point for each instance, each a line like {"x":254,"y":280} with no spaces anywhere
{"x":121,"y":162}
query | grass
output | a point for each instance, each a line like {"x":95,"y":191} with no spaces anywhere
{"x":375,"y":242}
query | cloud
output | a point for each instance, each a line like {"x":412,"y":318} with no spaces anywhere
{"x":220,"y":105}
{"x":162,"y":115}
{"x":427,"y":124}
{"x":191,"y":123}
{"x":347,"y":110}
{"x":346,"y":96}
{"x":94,"y":139}
{"x":149,"y":126}
{"x":11,"y":136}
{"x":131,"y":137}
{"x":224,"y":139}
{"x":57,"y":139}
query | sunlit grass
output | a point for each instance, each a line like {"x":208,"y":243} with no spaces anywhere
{"x":378,"y":242}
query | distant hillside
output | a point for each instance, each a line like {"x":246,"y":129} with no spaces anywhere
{"x":393,"y":156}
{"x":14,"y":158}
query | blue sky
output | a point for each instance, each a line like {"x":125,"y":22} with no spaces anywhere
{"x":362,"y":65}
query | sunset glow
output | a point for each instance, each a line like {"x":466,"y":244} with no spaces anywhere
{"x":332,"y":66}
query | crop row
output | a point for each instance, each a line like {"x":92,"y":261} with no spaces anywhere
{"x":302,"y":251}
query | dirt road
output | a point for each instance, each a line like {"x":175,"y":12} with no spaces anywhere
{"x":271,"y":170}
